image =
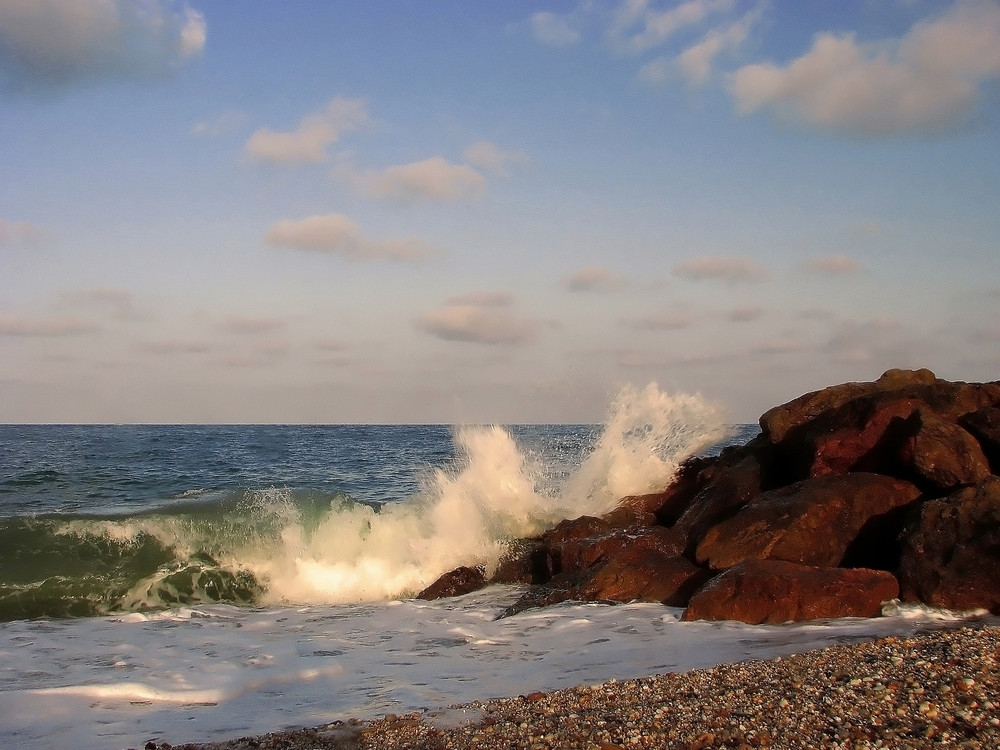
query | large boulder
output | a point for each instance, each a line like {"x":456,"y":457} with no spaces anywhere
{"x":984,"y":425}
{"x":773,"y":591}
{"x":945,"y":456}
{"x":813,"y":522}
{"x":951,"y":557}
{"x":728,"y":490}
{"x":863,"y":426}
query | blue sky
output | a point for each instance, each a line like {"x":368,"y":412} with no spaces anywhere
{"x":489,"y":212}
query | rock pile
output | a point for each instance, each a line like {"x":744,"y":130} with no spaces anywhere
{"x":850,"y":496}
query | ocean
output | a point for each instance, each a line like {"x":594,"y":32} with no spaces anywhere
{"x":201,"y":582}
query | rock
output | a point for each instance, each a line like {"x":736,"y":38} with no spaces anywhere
{"x":951,"y":557}
{"x":984,"y":425}
{"x":653,"y":577}
{"x":619,"y":544}
{"x":773,"y":591}
{"x":728,"y":490}
{"x":455,"y":583}
{"x":647,"y":576}
{"x":873,"y":439}
{"x":813,"y":522}
{"x":669,"y":504}
{"x":944,"y":455}
{"x":823,"y":421}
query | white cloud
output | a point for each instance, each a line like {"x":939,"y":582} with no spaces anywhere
{"x":45,"y":43}
{"x":727,"y":268}
{"x":227,"y":122}
{"x":307,"y":144}
{"x":176,"y":346}
{"x":19,"y":233}
{"x":833,"y":265}
{"x":15,"y":325}
{"x":593,"y":279}
{"x":434,"y":179}
{"x":336,"y":233}
{"x":923,"y":84}
{"x":560,"y":30}
{"x":639,"y":26}
{"x":492,"y":158}
{"x":478,"y":319}
{"x":696,"y":61}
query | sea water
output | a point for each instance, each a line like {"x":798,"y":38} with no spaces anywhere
{"x":190,"y":582}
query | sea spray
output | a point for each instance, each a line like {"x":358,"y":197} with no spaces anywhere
{"x":495,"y":493}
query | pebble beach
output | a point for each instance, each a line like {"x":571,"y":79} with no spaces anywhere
{"x":935,"y":689}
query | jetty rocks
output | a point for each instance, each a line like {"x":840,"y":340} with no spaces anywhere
{"x":850,"y":496}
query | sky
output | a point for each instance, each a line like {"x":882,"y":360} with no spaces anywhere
{"x":455,"y":211}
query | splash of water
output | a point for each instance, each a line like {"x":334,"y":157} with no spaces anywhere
{"x":497,"y":493}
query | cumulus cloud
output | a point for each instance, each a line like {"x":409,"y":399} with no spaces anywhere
{"x":308,"y":143}
{"x":696,"y":61}
{"x":923,"y":84}
{"x":19,"y":233}
{"x":434,"y":179}
{"x":593,"y":279}
{"x":639,"y":25}
{"x":479,"y":320}
{"x":15,"y":325}
{"x":54,"y":43}
{"x":726,"y":268}
{"x":560,"y":30}
{"x":832,"y":265}
{"x":492,"y":158}
{"x":336,"y":233}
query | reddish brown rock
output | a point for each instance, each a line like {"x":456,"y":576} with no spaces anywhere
{"x":873,"y":439}
{"x":729,"y":489}
{"x":813,"y":522}
{"x":455,"y":583}
{"x":668,"y":505}
{"x":653,"y":577}
{"x":626,"y":545}
{"x":984,"y":425}
{"x":946,"y":456}
{"x":772,"y":591}
{"x":951,"y":558}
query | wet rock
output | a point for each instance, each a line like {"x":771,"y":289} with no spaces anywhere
{"x":774,"y":591}
{"x":459,"y":581}
{"x":813,"y":522}
{"x":951,"y":556}
{"x":728,"y":490}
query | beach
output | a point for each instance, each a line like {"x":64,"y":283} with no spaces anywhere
{"x":938,"y":688}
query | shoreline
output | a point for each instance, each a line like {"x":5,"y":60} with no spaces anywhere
{"x":939,"y":688}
